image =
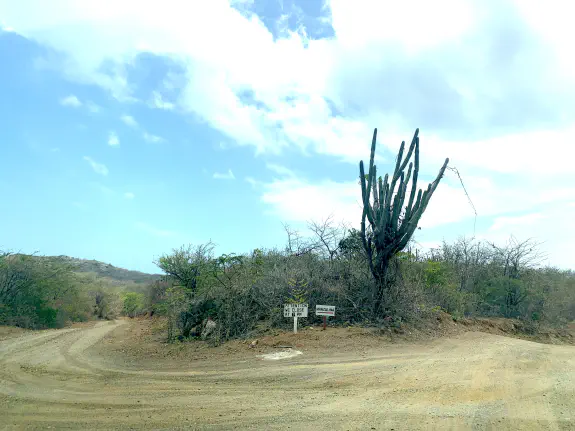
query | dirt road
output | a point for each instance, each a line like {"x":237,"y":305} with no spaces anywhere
{"x":65,"y":379}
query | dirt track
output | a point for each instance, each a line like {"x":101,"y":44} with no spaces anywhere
{"x":69,"y":379}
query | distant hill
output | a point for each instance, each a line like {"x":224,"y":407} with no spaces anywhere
{"x":106,"y":270}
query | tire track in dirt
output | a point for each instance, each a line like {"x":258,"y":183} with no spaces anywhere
{"x":472,"y":381}
{"x":27,"y":361}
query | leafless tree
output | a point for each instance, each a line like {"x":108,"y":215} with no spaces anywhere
{"x":517,"y":256}
{"x":328,"y":235}
{"x":297,"y":245}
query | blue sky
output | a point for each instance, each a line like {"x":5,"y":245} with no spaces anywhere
{"x":129,"y":129}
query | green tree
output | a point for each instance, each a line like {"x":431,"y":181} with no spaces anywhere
{"x":133,"y":303}
{"x":191,"y":271}
{"x":188,"y":266}
{"x":33,"y":290}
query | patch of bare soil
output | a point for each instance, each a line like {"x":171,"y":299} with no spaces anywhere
{"x":145,"y":339}
{"x":120,"y":375}
{"x":13,"y":331}
{"x":10,"y":331}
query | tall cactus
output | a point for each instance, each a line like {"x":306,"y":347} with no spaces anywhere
{"x":392,"y":224}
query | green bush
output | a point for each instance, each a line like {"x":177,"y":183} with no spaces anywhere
{"x":133,"y":303}
{"x":34,"y":291}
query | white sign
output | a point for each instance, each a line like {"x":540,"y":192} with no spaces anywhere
{"x":295,"y":310}
{"x":325,"y":310}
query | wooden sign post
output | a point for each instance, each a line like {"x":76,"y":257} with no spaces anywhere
{"x":325,"y":311}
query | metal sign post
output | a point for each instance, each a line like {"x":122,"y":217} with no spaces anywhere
{"x":295,"y":311}
{"x":325,"y":311}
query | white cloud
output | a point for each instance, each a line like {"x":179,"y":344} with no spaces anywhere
{"x":280,"y":170}
{"x":227,"y":176}
{"x":298,"y":200}
{"x":55,"y":150}
{"x":6,"y":28}
{"x":293,"y":197}
{"x":154,"y":139}
{"x":253,"y":182}
{"x":92,"y":107}
{"x":508,"y":223}
{"x":270,"y":67}
{"x":99,"y":168}
{"x":524,"y":153}
{"x":129,"y":121}
{"x":159,"y":102}
{"x":465,"y":77}
{"x":129,"y":195}
{"x":549,"y":226}
{"x":552,"y":22}
{"x":342,"y":71}
{"x":113,"y":139}
{"x":154,"y":231}
{"x":71,"y":101}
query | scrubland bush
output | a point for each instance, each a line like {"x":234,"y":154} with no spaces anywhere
{"x":245,"y":294}
{"x":36,"y":293}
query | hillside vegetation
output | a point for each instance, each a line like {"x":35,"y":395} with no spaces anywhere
{"x":104,"y":270}
{"x":48,"y":291}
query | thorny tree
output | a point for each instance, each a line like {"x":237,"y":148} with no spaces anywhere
{"x":328,"y":236}
{"x":390,"y":224}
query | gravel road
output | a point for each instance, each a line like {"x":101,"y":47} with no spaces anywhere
{"x":64,"y":379}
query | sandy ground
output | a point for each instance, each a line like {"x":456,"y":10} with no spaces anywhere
{"x":106,"y":375}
